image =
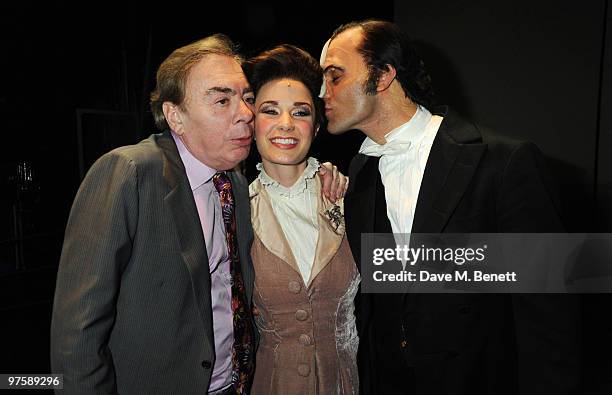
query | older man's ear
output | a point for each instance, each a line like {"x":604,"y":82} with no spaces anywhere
{"x":173,"y":116}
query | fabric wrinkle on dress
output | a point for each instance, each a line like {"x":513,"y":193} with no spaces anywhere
{"x":305,"y":283}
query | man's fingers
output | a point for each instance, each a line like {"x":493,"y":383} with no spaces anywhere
{"x":334,"y":185}
{"x":327,"y":177}
{"x":342,"y":186}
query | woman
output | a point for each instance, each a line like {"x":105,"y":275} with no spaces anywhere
{"x":305,"y":275}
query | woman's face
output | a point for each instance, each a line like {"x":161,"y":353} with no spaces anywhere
{"x":284,"y":122}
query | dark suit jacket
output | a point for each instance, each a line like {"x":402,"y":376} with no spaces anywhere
{"x":468,"y":343}
{"x":132,"y":311}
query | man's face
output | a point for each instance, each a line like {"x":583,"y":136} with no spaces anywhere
{"x":346,"y":104}
{"x":216,"y":122}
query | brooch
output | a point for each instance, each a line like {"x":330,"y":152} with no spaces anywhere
{"x":335,"y":216}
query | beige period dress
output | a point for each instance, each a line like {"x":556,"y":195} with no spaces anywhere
{"x":308,"y":339}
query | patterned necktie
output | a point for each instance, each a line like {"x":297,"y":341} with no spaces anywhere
{"x":242,"y":353}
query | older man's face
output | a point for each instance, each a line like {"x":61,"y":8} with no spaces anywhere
{"x":216,"y":124}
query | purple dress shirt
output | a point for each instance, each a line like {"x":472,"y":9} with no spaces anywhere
{"x":209,"y":210}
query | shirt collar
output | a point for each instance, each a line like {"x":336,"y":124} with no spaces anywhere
{"x":303,"y":182}
{"x":409,"y":132}
{"x":197,"y":172}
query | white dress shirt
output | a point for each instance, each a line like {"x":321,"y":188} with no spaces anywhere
{"x":402,"y":164}
{"x":295,"y":209}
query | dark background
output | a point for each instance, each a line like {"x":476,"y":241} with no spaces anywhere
{"x":76,"y":79}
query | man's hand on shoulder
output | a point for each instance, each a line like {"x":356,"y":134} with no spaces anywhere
{"x":334,"y":182}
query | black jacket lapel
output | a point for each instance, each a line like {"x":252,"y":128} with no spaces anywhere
{"x":453,"y":159}
{"x":360,"y":200}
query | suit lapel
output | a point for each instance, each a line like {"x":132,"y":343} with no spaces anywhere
{"x":181,"y":205}
{"x":452,"y":161}
{"x":360,"y":200}
{"x":362,"y":195}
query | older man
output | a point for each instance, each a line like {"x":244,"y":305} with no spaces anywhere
{"x":155,"y":280}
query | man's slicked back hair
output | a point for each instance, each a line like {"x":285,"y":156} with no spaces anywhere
{"x":383,"y":43}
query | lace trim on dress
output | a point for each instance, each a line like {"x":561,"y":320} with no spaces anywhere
{"x":300,"y":186}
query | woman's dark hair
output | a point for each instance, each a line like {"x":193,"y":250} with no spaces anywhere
{"x":287,"y":61}
{"x":385,"y":44}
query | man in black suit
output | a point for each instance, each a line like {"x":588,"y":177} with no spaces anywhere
{"x":426,"y":170}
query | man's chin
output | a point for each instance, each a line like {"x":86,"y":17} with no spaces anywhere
{"x":241,"y":153}
{"x":231,"y":161}
{"x":336,"y":129}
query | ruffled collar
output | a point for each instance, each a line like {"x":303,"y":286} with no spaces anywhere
{"x":296,"y":189}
